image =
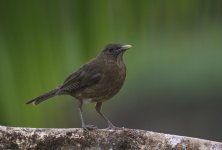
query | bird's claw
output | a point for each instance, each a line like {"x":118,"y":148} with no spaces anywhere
{"x":112,"y":127}
{"x":89,"y":127}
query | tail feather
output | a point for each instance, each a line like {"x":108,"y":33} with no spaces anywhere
{"x":43,"y":97}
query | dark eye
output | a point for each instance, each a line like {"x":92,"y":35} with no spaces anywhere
{"x":111,"y":50}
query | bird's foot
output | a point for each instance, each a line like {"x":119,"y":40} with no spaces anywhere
{"x":112,"y":127}
{"x":89,"y":127}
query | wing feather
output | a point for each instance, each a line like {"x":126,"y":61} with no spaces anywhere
{"x":84,"y":77}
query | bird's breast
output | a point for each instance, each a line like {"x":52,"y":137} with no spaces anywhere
{"x":112,"y":79}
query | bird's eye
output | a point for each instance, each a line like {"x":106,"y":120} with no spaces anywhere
{"x":111,"y":50}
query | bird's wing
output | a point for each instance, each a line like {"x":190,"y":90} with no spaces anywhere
{"x":84,"y":77}
{"x":72,"y":77}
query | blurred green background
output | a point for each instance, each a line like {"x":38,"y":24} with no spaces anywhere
{"x":174,"y":76}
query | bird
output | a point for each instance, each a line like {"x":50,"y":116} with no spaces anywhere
{"x":94,"y":82}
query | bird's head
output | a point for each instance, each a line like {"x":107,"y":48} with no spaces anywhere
{"x":114,"y":51}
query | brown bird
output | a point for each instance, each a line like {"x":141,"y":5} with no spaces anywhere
{"x":96,"y":81}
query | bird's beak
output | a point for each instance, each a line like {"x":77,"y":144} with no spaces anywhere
{"x":125,"y":47}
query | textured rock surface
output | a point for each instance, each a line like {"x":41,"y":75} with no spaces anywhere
{"x":74,"y":138}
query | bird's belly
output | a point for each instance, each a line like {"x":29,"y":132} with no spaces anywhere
{"x":98,"y":93}
{"x":105,"y":89}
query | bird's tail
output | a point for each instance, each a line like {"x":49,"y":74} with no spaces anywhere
{"x":43,"y":97}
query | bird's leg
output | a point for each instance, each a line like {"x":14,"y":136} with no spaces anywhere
{"x":84,"y":126}
{"x":80,"y":113}
{"x":98,"y":109}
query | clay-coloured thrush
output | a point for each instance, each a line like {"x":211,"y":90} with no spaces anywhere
{"x":96,"y":81}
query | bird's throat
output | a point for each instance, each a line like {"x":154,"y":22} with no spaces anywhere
{"x":120,"y":59}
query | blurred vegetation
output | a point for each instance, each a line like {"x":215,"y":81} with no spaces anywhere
{"x":174,"y":75}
